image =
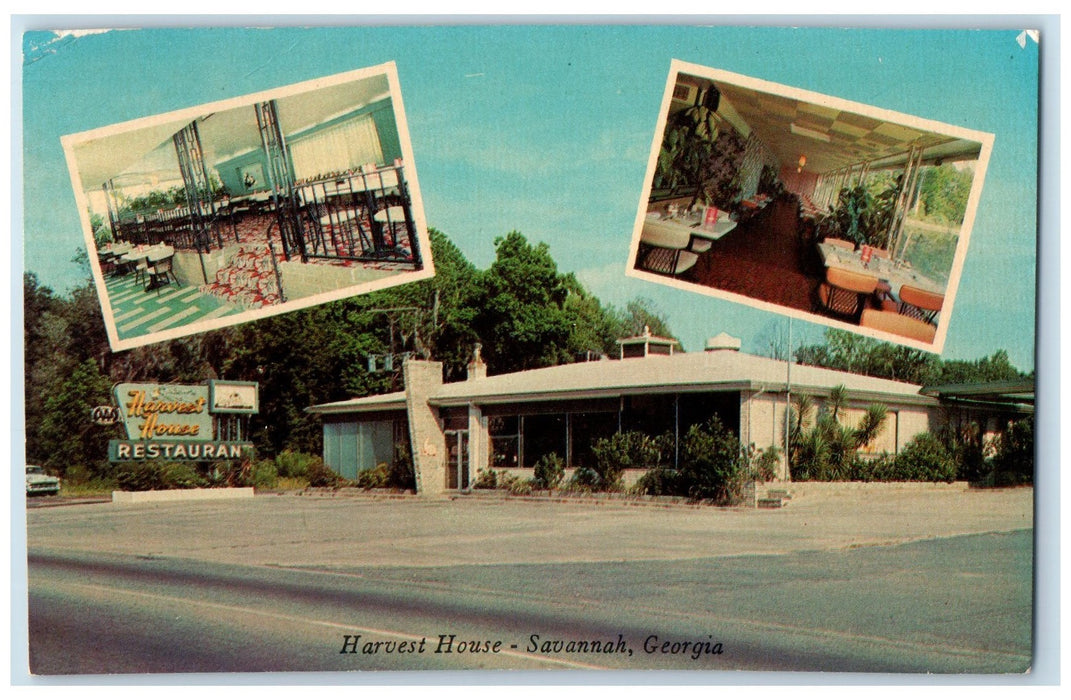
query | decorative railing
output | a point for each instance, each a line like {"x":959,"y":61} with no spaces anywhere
{"x":172,"y":227}
{"x":363,"y":215}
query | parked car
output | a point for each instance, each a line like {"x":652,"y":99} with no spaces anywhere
{"x":38,"y":481}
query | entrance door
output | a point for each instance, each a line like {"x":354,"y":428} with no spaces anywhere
{"x":457,"y":460}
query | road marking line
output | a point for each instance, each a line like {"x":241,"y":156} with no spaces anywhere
{"x":321,"y":623}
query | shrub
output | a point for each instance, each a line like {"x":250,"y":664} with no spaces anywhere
{"x":628,"y":450}
{"x":402,"y":475}
{"x":584,"y":479}
{"x":1013,"y":459}
{"x":294,"y":464}
{"x":521,"y":487}
{"x":876,"y":468}
{"x":712,"y":465}
{"x":232,"y":472}
{"x":658,"y":481}
{"x":319,"y":475}
{"x":925,"y":458}
{"x":77,"y":474}
{"x":764,"y":463}
{"x":549,"y":471}
{"x":264,"y":474}
{"x":486,"y":479}
{"x":966,"y":445}
{"x":376,"y":478}
{"x":157,"y":476}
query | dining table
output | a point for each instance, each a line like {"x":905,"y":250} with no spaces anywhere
{"x":679,"y":231}
{"x":133,"y":258}
{"x":893,"y":274}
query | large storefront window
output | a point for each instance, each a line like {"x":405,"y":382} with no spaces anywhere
{"x":505,"y":434}
{"x":521,"y":435}
{"x":521,"y":440}
{"x":350,"y":448}
{"x":543,"y":435}
{"x":584,"y":430}
{"x":653,"y":415}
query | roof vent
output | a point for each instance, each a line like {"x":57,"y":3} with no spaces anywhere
{"x":722,"y":341}
{"x":646,"y":344}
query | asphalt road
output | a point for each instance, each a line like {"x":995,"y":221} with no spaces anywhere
{"x":945,"y":603}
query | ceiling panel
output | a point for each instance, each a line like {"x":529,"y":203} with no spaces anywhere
{"x":842,"y":137}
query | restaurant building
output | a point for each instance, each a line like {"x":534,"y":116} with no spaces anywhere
{"x":507,"y":422}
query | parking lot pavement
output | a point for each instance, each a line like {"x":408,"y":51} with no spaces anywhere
{"x":340,"y":531}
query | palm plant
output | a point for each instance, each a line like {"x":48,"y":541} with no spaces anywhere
{"x":687,"y":146}
{"x":827,"y":451}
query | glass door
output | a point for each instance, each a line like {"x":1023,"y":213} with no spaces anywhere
{"x":457,"y":460}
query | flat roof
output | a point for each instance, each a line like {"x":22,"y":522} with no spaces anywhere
{"x":725,"y":370}
{"x":1016,"y":394}
{"x":377,"y":402}
{"x":713,"y":370}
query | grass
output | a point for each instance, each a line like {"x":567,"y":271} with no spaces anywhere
{"x":85,"y":489}
{"x":291,"y":483}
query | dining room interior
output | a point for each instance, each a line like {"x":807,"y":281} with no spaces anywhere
{"x":248,"y":207}
{"x":845,"y":213}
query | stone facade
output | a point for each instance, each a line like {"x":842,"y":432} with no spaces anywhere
{"x":422,"y":378}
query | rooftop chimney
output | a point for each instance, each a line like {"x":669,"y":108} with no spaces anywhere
{"x":477,"y":368}
{"x":722,"y":341}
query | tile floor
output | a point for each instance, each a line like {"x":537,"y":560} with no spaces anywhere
{"x":137,"y":312}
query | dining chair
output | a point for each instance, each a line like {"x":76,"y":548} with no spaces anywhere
{"x":141,"y":269}
{"x":667,"y":261}
{"x":845,"y":293}
{"x":160,"y":268}
{"x":898,"y":324}
{"x":920,"y":303}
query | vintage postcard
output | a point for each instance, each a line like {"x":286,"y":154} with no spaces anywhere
{"x":825,"y":209}
{"x":235,"y":210}
{"x":705,"y":377}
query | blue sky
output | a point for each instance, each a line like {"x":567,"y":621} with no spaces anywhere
{"x":546,"y":130}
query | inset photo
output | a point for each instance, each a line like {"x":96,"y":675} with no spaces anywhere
{"x":262,"y":204}
{"x":809,"y":205}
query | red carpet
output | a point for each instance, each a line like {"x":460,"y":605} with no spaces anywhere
{"x":760,"y":259}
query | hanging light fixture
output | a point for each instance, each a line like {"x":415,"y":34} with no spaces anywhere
{"x":803,"y":162}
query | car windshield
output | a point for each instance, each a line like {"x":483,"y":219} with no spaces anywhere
{"x":35,"y":470}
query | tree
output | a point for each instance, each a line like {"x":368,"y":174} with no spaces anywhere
{"x":67,"y":438}
{"x":995,"y":368}
{"x":522,"y":309}
{"x":944,"y":191}
{"x":851,"y":352}
{"x":521,"y":316}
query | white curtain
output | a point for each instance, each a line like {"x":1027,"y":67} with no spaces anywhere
{"x":342,"y":147}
